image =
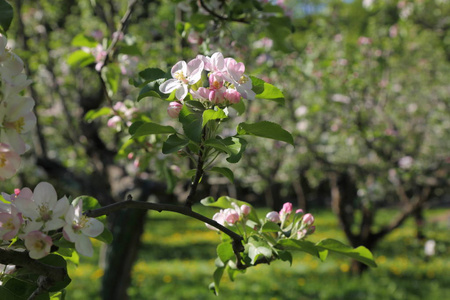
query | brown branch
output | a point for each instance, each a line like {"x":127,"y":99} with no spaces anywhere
{"x":404,"y":215}
{"x":183,"y":210}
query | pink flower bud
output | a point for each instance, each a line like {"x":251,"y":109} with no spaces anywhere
{"x":308,"y":219}
{"x":287,"y":208}
{"x":113,"y":121}
{"x":231,"y":216}
{"x":311,"y":229}
{"x":299,"y":211}
{"x":273,"y":216}
{"x":232,"y":96}
{"x":174,"y":109}
{"x":216,"y":96}
{"x":245,"y":209}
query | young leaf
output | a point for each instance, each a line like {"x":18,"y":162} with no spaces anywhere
{"x":267,"y":91}
{"x":236,"y":145}
{"x":81,"y":40}
{"x":173,"y":144}
{"x":152,"y":74}
{"x":217,"y":277}
{"x":266,"y":129}
{"x":258,"y":248}
{"x":148,"y":128}
{"x":299,"y":245}
{"x":80,"y":58}
{"x":218,"y":144}
{"x":110,"y":75}
{"x":225,"y":172}
{"x":95,"y":113}
{"x":361,"y":254}
{"x":192,"y":124}
{"x":270,"y":227}
{"x":211,"y":114}
{"x":225,"y":251}
{"x":105,"y":237}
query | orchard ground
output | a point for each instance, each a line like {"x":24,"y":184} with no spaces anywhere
{"x":177,"y":261}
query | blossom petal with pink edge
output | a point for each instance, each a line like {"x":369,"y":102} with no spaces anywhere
{"x":38,"y":243}
{"x":9,"y":161}
{"x":170,"y":85}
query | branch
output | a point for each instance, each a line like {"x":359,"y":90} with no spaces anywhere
{"x":183,"y":210}
{"x":198,"y":174}
{"x":202,"y":4}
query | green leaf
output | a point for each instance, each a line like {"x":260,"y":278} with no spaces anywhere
{"x":270,"y":227}
{"x":258,"y":248}
{"x":69,"y":254}
{"x":88,"y":202}
{"x":80,"y":58}
{"x":300,"y":245}
{"x":81,"y":40}
{"x":225,"y":252}
{"x":173,"y":144}
{"x":15,"y":289}
{"x":267,"y":91}
{"x":211,"y":114}
{"x":192,"y":124}
{"x":152,"y":74}
{"x":214,"y":287}
{"x":134,"y":127}
{"x":225,"y":172}
{"x":132,"y":50}
{"x":239,"y":107}
{"x":111,"y":76}
{"x":218,"y":144}
{"x":148,"y":128}
{"x":195,"y":105}
{"x":6,"y":16}
{"x":361,"y":254}
{"x":285,"y":256}
{"x":57,"y":261}
{"x":236,"y":145}
{"x":151,"y":89}
{"x":105,"y":237}
{"x":266,"y":129}
{"x":95,"y":113}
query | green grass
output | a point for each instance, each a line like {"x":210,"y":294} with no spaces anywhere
{"x":177,"y":262}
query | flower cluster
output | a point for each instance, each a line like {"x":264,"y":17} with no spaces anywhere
{"x":38,"y":218}
{"x":16,"y":111}
{"x":123,"y":112}
{"x":231,"y":216}
{"x":227,"y":82}
{"x":301,"y":225}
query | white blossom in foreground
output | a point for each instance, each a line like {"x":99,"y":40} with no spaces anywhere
{"x":79,"y":228}
{"x":44,"y":210}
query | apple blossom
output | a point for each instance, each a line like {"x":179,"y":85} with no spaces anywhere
{"x":174,"y":109}
{"x":16,"y":117}
{"x":215,"y":63}
{"x":183,"y":75}
{"x":10,"y":224}
{"x":44,"y":210}
{"x":9,"y":161}
{"x":216,"y":96}
{"x":38,"y":244}
{"x":231,"y":216}
{"x":79,"y":228}
{"x":216,"y":80}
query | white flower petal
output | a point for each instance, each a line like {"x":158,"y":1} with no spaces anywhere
{"x":27,"y":207}
{"x":45,"y":194}
{"x":61,"y":207}
{"x":93,"y":228}
{"x":83,"y":246}
{"x":181,"y":92}
{"x":179,"y":66}
{"x":168,"y":86}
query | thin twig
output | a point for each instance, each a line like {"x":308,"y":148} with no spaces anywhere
{"x":222,"y":18}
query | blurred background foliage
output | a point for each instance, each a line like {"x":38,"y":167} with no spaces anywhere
{"x":367,"y":100}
